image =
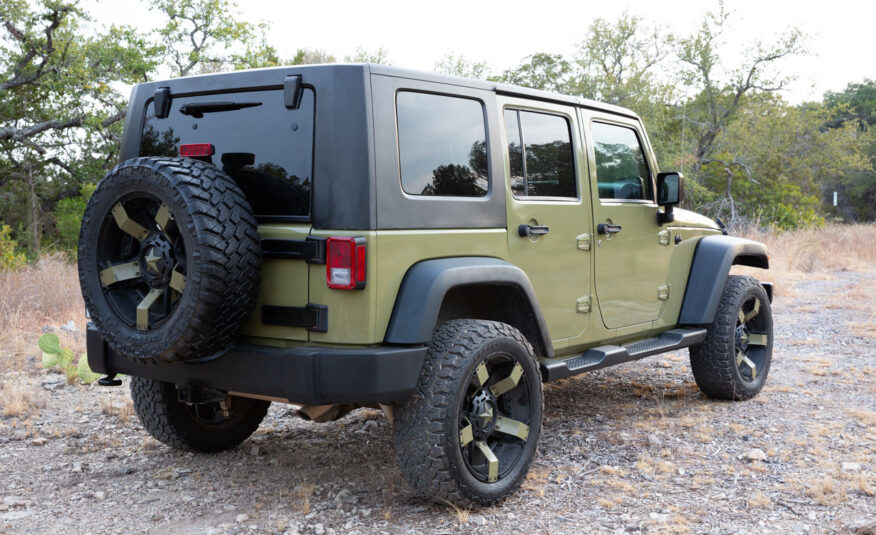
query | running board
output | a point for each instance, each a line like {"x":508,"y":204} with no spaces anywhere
{"x":605,"y":356}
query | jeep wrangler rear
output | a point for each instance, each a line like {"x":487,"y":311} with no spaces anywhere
{"x":357,"y":235}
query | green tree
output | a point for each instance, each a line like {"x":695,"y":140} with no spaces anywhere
{"x":616,"y":60}
{"x":362,"y":55}
{"x":856,"y":189}
{"x":722,"y":95}
{"x":312,"y":56}
{"x":458,"y":65}
{"x":548,"y":72}
{"x":781,"y":156}
{"x":59,"y":109}
{"x":206,"y":36}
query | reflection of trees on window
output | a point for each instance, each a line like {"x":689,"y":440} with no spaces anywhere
{"x":455,"y":179}
{"x":155,"y":143}
{"x":477,"y":158}
{"x":549,"y":169}
{"x":270,"y":190}
{"x":621,"y":170}
{"x":618,"y":162}
{"x":462,"y":180}
{"x":546,"y":149}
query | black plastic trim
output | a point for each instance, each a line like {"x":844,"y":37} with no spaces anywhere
{"x":311,"y":249}
{"x":311,"y":317}
{"x":708,"y":274}
{"x":426,"y":283}
{"x":307,"y":375}
{"x":768,"y":288}
{"x":611,"y":355}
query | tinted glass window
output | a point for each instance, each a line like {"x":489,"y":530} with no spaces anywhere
{"x":621,"y":169}
{"x":540,"y":152}
{"x":442,"y":145}
{"x":265,"y":147}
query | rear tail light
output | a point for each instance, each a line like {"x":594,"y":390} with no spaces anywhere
{"x":345,"y":263}
{"x":196,"y":150}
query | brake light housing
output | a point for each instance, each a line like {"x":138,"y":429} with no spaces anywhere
{"x":197,"y":150}
{"x":345,"y":263}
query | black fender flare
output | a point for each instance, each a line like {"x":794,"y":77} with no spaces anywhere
{"x":709,"y":271}
{"x":426,"y":283}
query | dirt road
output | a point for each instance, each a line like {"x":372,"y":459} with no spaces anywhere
{"x":634,"y":449}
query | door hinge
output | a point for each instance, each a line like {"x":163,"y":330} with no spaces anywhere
{"x":583,"y":304}
{"x":584,"y":242}
{"x":663,"y":293}
{"x":663,"y":237}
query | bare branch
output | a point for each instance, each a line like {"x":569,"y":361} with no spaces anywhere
{"x":21,"y":134}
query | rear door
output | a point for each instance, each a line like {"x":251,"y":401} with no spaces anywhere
{"x":268,"y":150}
{"x":632,"y":251}
{"x":548,"y":221}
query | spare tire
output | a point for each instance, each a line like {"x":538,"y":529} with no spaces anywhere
{"x":169,"y":259}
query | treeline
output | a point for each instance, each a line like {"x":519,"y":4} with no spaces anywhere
{"x":749,"y":156}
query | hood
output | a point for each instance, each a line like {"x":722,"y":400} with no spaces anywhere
{"x":686,"y":218}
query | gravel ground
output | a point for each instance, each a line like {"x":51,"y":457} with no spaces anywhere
{"x":633,"y":449}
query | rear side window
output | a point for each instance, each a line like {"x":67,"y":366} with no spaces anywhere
{"x":540,"y":153}
{"x":265,"y":147}
{"x":442,"y":145}
{"x":621,"y":169}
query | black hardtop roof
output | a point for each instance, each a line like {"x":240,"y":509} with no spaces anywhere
{"x":273,"y":76}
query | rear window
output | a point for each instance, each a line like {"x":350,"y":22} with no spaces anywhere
{"x":442,"y":145}
{"x":265,"y":147}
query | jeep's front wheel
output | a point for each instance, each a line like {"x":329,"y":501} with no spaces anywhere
{"x":202,"y":427}
{"x":470,"y":431}
{"x":734,"y":360}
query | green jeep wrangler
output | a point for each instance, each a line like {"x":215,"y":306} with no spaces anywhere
{"x":340,"y":236}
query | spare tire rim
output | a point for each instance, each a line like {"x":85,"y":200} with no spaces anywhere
{"x":141,"y":261}
{"x":752,"y":339}
{"x":494,"y":418}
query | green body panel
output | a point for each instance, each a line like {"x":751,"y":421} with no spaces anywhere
{"x":690,"y":227}
{"x":401,"y":249}
{"x":558,"y":269}
{"x":284,"y":283}
{"x":630,"y":266}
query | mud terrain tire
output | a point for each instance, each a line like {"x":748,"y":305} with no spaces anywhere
{"x":182,"y":230}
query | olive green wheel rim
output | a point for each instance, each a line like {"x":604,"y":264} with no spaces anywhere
{"x":495,"y":414}
{"x":752,"y":339}
{"x":141,"y":261}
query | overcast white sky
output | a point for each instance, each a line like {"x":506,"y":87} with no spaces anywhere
{"x":417,"y":34}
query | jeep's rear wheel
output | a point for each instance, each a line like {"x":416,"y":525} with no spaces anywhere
{"x":201,"y":427}
{"x":470,"y":431}
{"x":169,"y":259}
{"x":734,"y":359}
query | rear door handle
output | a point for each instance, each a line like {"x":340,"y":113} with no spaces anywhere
{"x":533,"y":230}
{"x":608,"y":228}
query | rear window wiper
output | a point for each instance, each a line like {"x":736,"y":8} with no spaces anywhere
{"x":198,"y":109}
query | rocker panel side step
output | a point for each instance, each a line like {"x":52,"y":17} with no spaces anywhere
{"x":610,"y":355}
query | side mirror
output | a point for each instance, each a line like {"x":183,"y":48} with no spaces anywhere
{"x":670,"y":191}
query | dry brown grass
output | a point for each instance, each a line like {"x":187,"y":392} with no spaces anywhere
{"x":122,"y":410}
{"x":834,"y":247}
{"x":17,"y":400}
{"x":44,"y":294}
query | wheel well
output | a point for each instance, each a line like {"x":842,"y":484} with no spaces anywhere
{"x":503,"y":303}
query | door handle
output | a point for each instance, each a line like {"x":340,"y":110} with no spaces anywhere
{"x":533,"y":230}
{"x":608,"y":228}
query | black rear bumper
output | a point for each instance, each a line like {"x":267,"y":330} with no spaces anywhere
{"x":307,"y":375}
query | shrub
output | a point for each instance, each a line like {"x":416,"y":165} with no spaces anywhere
{"x":10,"y":257}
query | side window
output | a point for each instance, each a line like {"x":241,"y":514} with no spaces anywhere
{"x":540,"y":152}
{"x":621,"y":169}
{"x":442,"y":145}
